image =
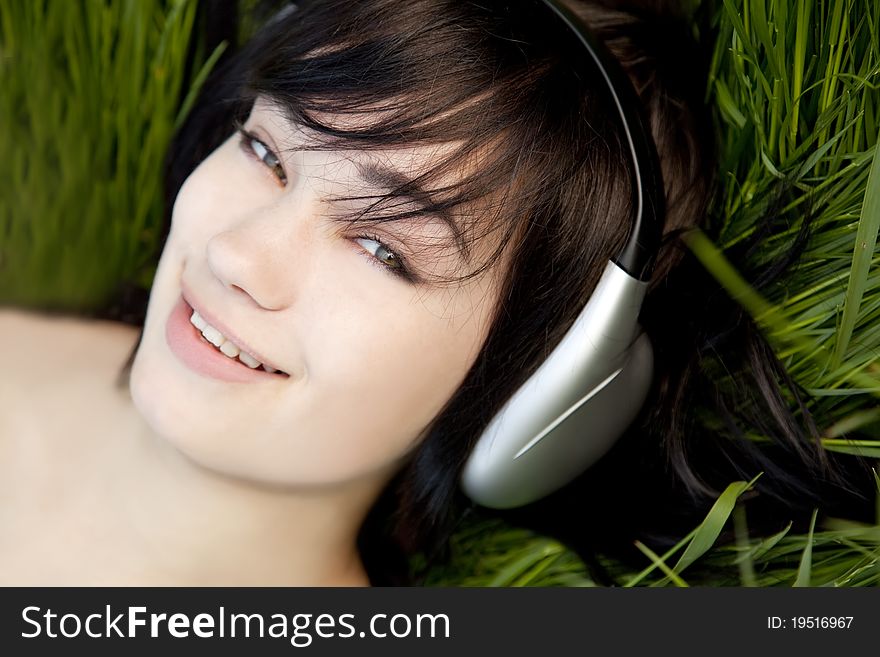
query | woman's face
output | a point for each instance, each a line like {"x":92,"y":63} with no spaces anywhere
{"x":368,"y":358}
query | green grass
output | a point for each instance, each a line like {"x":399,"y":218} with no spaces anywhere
{"x":92,"y":92}
{"x":795,"y":85}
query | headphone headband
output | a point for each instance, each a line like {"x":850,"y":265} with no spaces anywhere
{"x":637,"y":256}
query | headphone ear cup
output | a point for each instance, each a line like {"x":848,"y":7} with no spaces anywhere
{"x":571,"y":446}
{"x":600,"y":421}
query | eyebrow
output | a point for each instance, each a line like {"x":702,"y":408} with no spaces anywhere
{"x":378,"y":175}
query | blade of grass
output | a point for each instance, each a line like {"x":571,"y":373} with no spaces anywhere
{"x":637,"y":579}
{"x":710,"y":528}
{"x":767,"y":544}
{"x":741,"y":531}
{"x":866,"y":240}
{"x":659,"y":563}
{"x":853,"y":422}
{"x":805,"y":568}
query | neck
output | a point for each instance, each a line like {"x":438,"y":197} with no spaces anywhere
{"x":189,"y":525}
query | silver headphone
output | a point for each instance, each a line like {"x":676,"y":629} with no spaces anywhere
{"x":593,"y":384}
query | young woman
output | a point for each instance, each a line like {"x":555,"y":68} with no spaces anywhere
{"x":385,"y":214}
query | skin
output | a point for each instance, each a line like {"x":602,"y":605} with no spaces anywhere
{"x":203,"y":481}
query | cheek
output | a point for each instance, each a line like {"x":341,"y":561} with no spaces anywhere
{"x":388,"y":380}
{"x":209,"y":194}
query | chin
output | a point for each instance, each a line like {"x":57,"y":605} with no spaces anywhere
{"x":167,"y":414}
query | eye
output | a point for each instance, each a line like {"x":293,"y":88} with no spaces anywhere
{"x":256,"y":148}
{"x":382,"y":254}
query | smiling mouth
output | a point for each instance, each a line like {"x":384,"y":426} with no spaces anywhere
{"x":228,"y":348}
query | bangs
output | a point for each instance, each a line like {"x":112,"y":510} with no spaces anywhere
{"x":340,"y":73}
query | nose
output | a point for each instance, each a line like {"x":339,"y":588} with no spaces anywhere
{"x":256,"y":256}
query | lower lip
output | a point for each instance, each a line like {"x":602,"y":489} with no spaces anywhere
{"x":190,"y":346}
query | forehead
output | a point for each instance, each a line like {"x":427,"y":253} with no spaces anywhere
{"x":386,"y":169}
{"x":413,"y":160}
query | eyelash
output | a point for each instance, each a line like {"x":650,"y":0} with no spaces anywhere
{"x":275,"y":170}
{"x":245,"y":140}
{"x":403,"y":271}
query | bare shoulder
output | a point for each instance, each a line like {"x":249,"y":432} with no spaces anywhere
{"x":56,"y":373}
{"x":58,"y":407}
{"x":38,"y":344}
{"x":59,"y":370}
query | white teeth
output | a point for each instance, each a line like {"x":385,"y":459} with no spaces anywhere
{"x":226,"y":347}
{"x":230,"y":349}
{"x":213,"y":336}
{"x":197,"y":321}
{"x":249,"y":360}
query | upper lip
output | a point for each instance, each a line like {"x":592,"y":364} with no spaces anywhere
{"x":227,"y":332}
